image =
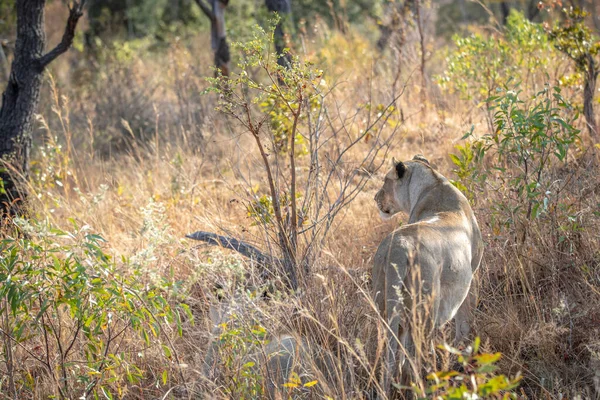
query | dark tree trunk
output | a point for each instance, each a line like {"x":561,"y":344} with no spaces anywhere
{"x":219,"y":37}
{"x":22,"y":95}
{"x":218,"y":34}
{"x":533,"y":9}
{"x":505,"y":10}
{"x":283,"y":8}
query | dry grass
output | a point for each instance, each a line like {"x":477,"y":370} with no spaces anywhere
{"x":538,"y":304}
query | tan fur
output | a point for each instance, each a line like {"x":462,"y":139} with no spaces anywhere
{"x":433,"y":257}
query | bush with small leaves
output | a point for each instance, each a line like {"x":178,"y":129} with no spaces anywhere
{"x":72,"y":313}
{"x":482,"y":63}
{"x":478,"y":378}
{"x":574,"y":39}
{"x":532,"y":137}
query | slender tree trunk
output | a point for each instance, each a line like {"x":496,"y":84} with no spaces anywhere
{"x":3,"y":63}
{"x":505,"y":10}
{"x":594,"y":14}
{"x":130,"y":30}
{"x":533,"y":9}
{"x":283,"y":8}
{"x":218,"y":33}
{"x":591,"y":74}
{"x":219,"y":37}
{"x":22,"y":95}
{"x":423,"y":51}
{"x":463,"y":11}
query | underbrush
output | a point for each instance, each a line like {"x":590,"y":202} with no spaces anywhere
{"x":77,"y":323}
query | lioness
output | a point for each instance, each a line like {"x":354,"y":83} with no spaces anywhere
{"x":434,"y":255}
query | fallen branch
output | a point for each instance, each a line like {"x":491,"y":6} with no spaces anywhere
{"x":245,"y":249}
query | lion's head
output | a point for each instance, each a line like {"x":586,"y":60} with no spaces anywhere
{"x":399,"y":191}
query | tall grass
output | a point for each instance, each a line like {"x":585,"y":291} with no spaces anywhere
{"x":137,"y":154}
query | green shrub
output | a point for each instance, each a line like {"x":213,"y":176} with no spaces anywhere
{"x":236,"y":342}
{"x":481,"y":63}
{"x":478,"y":378}
{"x":89,"y":322}
{"x":530,"y":139}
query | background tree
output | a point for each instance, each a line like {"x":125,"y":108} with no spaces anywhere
{"x":392,"y":24}
{"x":218,"y":33}
{"x":575,"y":39}
{"x":131,"y":19}
{"x":22,"y":94}
{"x":283,"y":9}
{"x":179,"y":11}
{"x":7,"y":26}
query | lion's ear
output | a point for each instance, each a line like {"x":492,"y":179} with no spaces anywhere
{"x":420,"y":157}
{"x":400,"y":169}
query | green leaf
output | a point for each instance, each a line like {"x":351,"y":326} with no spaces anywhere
{"x":167,"y":351}
{"x":106,"y":392}
{"x":146,"y":337}
{"x":455,"y":160}
{"x":469,"y":133}
{"x":535,"y":211}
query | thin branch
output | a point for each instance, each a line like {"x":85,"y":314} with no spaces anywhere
{"x":164,"y":331}
{"x":286,"y":247}
{"x":93,"y":384}
{"x":25,"y":349}
{"x":75,"y":12}
{"x":206,"y":10}
{"x":8,"y":355}
{"x":293,"y":237}
{"x":75,"y":335}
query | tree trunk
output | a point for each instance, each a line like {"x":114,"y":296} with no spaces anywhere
{"x":218,"y":33}
{"x":219,"y":37}
{"x":591,"y":74}
{"x":283,"y":8}
{"x":505,"y":10}
{"x":423,"y":52}
{"x":3,"y":63}
{"x":22,"y":95}
{"x":594,"y":14}
{"x":533,"y":9}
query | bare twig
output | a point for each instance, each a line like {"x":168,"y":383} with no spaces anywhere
{"x":93,"y":384}
{"x":293,"y":237}
{"x":423,"y":51}
{"x":9,"y":356}
{"x":206,"y":10}
{"x":162,"y":328}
